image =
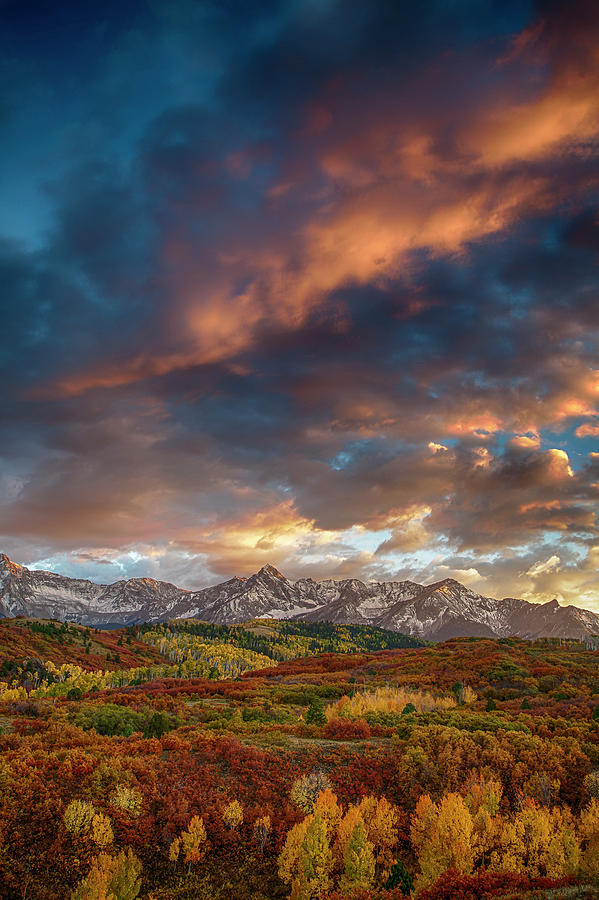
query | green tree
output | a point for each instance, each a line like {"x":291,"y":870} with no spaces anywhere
{"x":315,"y":714}
{"x":400,"y":878}
{"x":358,"y":861}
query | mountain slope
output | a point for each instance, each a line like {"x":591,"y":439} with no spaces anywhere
{"x":437,"y":611}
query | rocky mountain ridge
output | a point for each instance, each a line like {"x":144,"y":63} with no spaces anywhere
{"x":436,"y":611}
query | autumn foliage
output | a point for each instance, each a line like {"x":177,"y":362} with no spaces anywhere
{"x":404,"y":778}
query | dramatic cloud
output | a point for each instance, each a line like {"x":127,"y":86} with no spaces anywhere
{"x":287,"y":285}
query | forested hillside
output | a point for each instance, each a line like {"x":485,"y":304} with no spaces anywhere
{"x":307,"y":761}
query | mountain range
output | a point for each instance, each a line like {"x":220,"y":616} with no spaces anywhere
{"x":435,"y":611}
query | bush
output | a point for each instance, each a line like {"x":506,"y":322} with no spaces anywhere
{"x":157,"y":725}
{"x":455,"y":886}
{"x":25,"y":708}
{"x":347,"y":729}
{"x":110,"y":719}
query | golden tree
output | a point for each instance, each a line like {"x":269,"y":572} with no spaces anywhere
{"x":262,"y":831}
{"x":538,"y":842}
{"x":588,"y":832}
{"x":233,"y":815}
{"x":127,"y":800}
{"x":307,"y":789}
{"x":327,"y":807}
{"x":381,"y":820}
{"x":101,"y":830}
{"x":345,"y":830}
{"x":193,"y":841}
{"x":288,"y":860}
{"x":78,"y":816}
{"x":82,"y":820}
{"x":315,"y":861}
{"x":111,"y":878}
{"x":442,"y":837}
{"x":174,"y":850}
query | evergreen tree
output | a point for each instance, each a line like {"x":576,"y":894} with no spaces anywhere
{"x":315,"y":714}
{"x":400,"y":878}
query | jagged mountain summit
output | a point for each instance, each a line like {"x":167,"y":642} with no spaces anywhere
{"x":436,"y":611}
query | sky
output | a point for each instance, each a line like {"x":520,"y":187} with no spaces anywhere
{"x":311,"y":283}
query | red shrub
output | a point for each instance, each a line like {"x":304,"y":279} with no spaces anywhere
{"x":347,"y":729}
{"x":455,"y":886}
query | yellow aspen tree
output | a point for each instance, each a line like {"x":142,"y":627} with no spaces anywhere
{"x":233,"y":815}
{"x":327,"y":807}
{"x":359,"y":865}
{"x":126,"y":878}
{"x":101,"y":830}
{"x":288,"y":861}
{"x":521,"y":842}
{"x":111,"y":878}
{"x":307,"y":788}
{"x":344,"y":833}
{"x":588,"y":832}
{"x":563,"y":852}
{"x":127,"y":800}
{"x":381,"y":820}
{"x":262,"y":831}
{"x":422,"y":822}
{"x":193,"y":841}
{"x":95,"y":886}
{"x":538,"y":842}
{"x":315,"y":861}
{"x":174,"y":850}
{"x":442,"y":837}
{"x":78,"y":816}
{"x":485,"y":835}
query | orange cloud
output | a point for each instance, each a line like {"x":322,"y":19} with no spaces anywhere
{"x":589,"y":429}
{"x":525,"y":442}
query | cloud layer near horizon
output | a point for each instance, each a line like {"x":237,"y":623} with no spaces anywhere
{"x":285,"y":285}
